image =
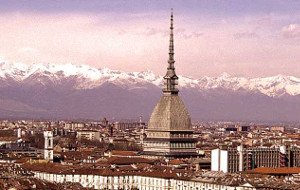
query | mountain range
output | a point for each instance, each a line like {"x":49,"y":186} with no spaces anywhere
{"x":68,"y":91}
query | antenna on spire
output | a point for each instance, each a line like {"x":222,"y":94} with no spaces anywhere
{"x":171,"y":45}
{"x":171,"y":19}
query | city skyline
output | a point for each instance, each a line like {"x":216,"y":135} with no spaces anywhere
{"x":76,"y":112}
{"x":243,"y":38}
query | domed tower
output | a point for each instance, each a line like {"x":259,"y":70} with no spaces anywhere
{"x":169,"y":132}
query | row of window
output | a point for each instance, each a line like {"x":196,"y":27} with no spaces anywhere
{"x":183,"y":145}
{"x":129,"y":181}
{"x":166,"y":134}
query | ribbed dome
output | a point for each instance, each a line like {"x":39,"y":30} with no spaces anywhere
{"x":170,"y":114}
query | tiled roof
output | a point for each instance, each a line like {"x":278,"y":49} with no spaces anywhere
{"x":9,"y":138}
{"x":126,"y":161}
{"x":176,"y":162}
{"x":281,"y":170}
{"x":123,"y":153}
{"x":88,"y":169}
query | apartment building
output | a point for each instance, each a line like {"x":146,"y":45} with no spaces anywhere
{"x":243,"y":159}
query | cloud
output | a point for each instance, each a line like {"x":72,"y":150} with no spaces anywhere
{"x":245,"y":35}
{"x":180,"y":32}
{"x":154,"y":31}
{"x":2,"y":60}
{"x":263,"y":21}
{"x":291,"y":31}
{"x":187,"y":35}
{"x":203,"y":46}
{"x":28,"y":50}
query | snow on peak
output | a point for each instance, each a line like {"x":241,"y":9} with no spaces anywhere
{"x":88,"y":77}
{"x":224,"y":75}
{"x":14,"y":69}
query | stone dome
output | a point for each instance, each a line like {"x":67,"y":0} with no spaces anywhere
{"x":170,"y":114}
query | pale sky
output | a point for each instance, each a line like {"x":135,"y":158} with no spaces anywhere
{"x":245,"y":38}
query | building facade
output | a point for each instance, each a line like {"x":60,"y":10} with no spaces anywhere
{"x":242,"y":159}
{"x":88,"y":134}
{"x":95,"y":181}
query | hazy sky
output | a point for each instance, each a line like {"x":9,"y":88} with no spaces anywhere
{"x":249,"y":38}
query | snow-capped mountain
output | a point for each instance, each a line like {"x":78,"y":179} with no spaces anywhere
{"x":86,"y":77}
{"x":82,"y":92}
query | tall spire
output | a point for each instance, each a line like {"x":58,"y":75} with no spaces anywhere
{"x":171,"y":45}
{"x":170,"y":84}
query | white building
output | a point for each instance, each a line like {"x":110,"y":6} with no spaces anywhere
{"x":74,"y":126}
{"x":48,"y":145}
{"x":219,"y":160}
{"x":95,"y":181}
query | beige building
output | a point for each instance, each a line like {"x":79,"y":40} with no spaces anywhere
{"x":277,"y":128}
{"x":88,"y":134}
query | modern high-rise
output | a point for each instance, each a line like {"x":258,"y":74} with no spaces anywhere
{"x":169,"y":132}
